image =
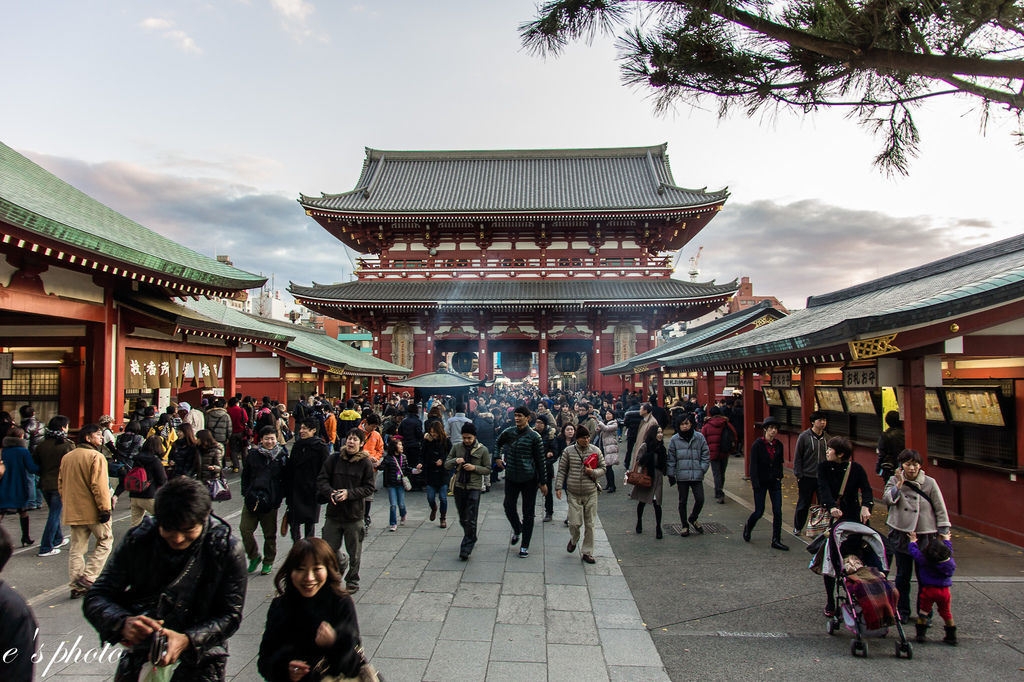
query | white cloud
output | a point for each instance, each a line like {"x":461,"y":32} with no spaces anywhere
{"x":294,"y":17}
{"x":166,"y":29}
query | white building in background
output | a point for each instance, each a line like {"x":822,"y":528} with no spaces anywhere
{"x":267,"y":303}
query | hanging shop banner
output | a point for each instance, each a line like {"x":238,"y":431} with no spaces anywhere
{"x":732,"y":379}
{"x":860,"y":377}
{"x":209,"y":371}
{"x":134,"y":375}
{"x":680,"y":382}
{"x":782,"y":379}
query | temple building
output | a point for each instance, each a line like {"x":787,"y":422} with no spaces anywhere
{"x":560,"y":260}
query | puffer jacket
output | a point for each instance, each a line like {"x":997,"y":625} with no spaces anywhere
{"x":478,"y":456}
{"x":14,"y":486}
{"x":263,"y":478}
{"x":34,"y":432}
{"x":688,"y":461}
{"x":354,"y":473}
{"x":394,"y":467}
{"x":579,"y":480}
{"x":714,"y":431}
{"x":486,"y":432}
{"x":522,"y":454}
{"x":218,"y":423}
{"x":140,"y":568}
{"x":610,"y":441}
{"x":909,"y":511}
{"x":48,"y":455}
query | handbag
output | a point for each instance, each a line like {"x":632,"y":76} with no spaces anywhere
{"x":406,"y":483}
{"x":819,"y":516}
{"x":638,"y":478}
{"x":367,"y":673}
{"x":219,"y":490}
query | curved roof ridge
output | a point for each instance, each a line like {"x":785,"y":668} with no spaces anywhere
{"x":373,"y":154}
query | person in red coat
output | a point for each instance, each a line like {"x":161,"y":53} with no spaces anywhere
{"x":722,"y":439}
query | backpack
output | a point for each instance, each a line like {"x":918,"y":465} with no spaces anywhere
{"x":728,"y":442}
{"x":137,"y":480}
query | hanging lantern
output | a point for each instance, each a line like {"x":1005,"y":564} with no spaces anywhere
{"x":515,"y":365}
{"x":567,"y":363}
{"x":463,"y":362}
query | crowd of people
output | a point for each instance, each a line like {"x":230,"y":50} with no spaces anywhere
{"x":172,"y":591}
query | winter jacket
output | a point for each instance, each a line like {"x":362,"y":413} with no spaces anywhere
{"x":263,"y":479}
{"x":186,"y":458}
{"x":34,"y":433}
{"x":609,"y":443}
{"x":17,"y":632}
{"x":809,"y":453}
{"x":714,"y":432}
{"x":348,"y":420}
{"x":290,"y":635}
{"x":84,"y":486}
{"x":218,"y":423}
{"x":579,"y":480}
{"x":890,"y":444}
{"x":155,"y":474}
{"x":48,"y":455}
{"x":909,"y":511}
{"x":300,"y":473}
{"x":239,"y":418}
{"x":521,"y":452}
{"x":477,"y":455}
{"x":933,"y":575}
{"x":374,"y":447}
{"x":208,"y":611}
{"x":688,"y":460}
{"x":411,"y":431}
{"x":214,"y":457}
{"x":645,"y":428}
{"x":433,"y":450}
{"x":14,"y":487}
{"x":453,"y":428}
{"x":830,"y":480}
{"x":631,"y":423}
{"x":766,"y":464}
{"x":354,"y":473}
{"x":486,"y":432}
{"x":394,"y":467}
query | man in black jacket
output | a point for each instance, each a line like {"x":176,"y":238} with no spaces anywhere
{"x":309,"y":452}
{"x":180,"y":575}
{"x":17,"y":627}
{"x":520,"y":448}
{"x":262,"y":493}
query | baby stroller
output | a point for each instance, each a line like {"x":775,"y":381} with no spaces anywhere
{"x":867,"y":608}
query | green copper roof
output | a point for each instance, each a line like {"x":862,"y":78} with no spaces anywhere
{"x":35,"y":200}
{"x":309,"y":344}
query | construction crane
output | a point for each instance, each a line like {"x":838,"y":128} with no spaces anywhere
{"x":693,"y":265}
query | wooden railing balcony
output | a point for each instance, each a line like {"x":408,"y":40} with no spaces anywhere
{"x":513,"y":266}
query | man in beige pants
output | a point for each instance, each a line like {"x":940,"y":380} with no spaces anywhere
{"x":580,"y":468}
{"x":85,"y":490}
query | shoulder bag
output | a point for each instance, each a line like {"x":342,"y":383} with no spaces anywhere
{"x":406,"y":483}
{"x":819,"y":519}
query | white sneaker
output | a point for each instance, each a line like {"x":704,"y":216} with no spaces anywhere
{"x":52,"y":552}
{"x":392,"y":528}
{"x":65,"y":541}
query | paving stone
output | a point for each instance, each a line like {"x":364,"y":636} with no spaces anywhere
{"x":417,"y":550}
{"x":571,"y":627}
{"x":523,"y":583}
{"x":375,"y":619}
{"x":458,"y":660}
{"x":567,"y":598}
{"x":605,"y":565}
{"x":375,"y":559}
{"x":517,"y":609}
{"x":426,"y":606}
{"x":410,"y":639}
{"x":519,"y":643}
{"x":628,"y":647}
{"x":531,"y":564}
{"x":438,"y":581}
{"x":387,"y":591}
{"x":477,"y":595}
{"x":503,"y":671}
{"x":469,"y":624}
{"x":576,"y":662}
{"x":616,"y":613}
{"x":566,"y":570}
{"x":399,"y":669}
{"x":608,"y":587}
{"x":479,"y":571}
{"x":620,"y":673}
{"x":405,"y":568}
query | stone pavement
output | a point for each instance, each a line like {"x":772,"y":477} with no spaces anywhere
{"x":426,"y":615}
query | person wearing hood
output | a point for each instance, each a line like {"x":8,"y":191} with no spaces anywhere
{"x":262,"y":491}
{"x":722,"y":439}
{"x":309,"y":452}
{"x":14,"y":486}
{"x":346,"y":480}
{"x":48,"y":455}
{"x":688,"y":460}
{"x":486,"y":433}
{"x":179,"y":573}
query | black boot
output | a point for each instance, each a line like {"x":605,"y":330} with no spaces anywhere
{"x":657,"y":522}
{"x":950,"y":637}
{"x":639,"y":518}
{"x":777,"y":544}
{"x":922,"y":630}
{"x":25,"y":539}
{"x":746,"y":531}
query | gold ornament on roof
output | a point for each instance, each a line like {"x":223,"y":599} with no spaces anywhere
{"x":865,"y":349}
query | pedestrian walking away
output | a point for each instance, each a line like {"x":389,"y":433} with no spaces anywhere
{"x":345,"y":481}
{"x":520,"y":448}
{"x":688,"y":461}
{"x":262,"y":494}
{"x":722,"y":440}
{"x":766,"y":455}
{"x":15,"y":490}
{"x":580,"y":468}
{"x":471,"y":462}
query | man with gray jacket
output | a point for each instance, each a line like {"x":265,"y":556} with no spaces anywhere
{"x":688,"y":460}
{"x":809,"y":453}
{"x":472,"y":462}
{"x":579,"y":469}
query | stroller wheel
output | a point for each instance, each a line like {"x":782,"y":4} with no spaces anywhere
{"x":904,"y":649}
{"x":859,"y":648}
{"x":832,"y":625}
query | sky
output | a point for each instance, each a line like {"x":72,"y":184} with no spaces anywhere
{"x":205,"y":120}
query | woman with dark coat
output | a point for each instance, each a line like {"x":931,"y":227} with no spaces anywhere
{"x":148,"y":457}
{"x":185,"y":453}
{"x":309,"y":452}
{"x":435,"y":477}
{"x":652,"y":458}
{"x":853,"y":505}
{"x":14,"y":489}
{"x":766,"y":480}
{"x":312,"y":631}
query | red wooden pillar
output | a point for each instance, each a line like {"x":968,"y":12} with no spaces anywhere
{"x":748,"y":418}
{"x":72,"y":381}
{"x":229,"y":373}
{"x":1018,"y":399}
{"x":914,"y":423}
{"x":348,"y":387}
{"x":662,"y":396}
{"x":806,"y":396}
{"x":483,"y":358}
{"x":101,"y":354}
{"x":542,"y":364}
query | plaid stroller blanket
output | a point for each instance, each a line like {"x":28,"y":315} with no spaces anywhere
{"x":876,"y":597}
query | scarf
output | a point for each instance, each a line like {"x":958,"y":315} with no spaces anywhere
{"x":686,"y":435}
